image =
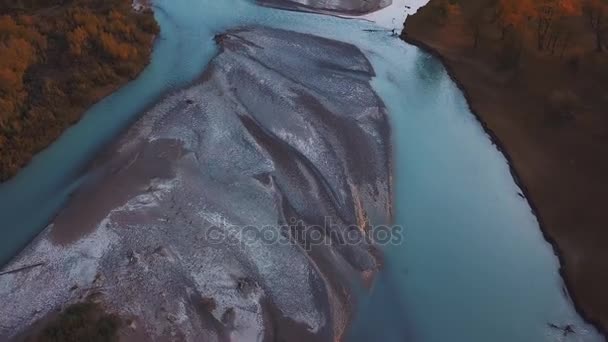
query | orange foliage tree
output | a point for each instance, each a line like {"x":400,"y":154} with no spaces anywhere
{"x":77,"y":39}
{"x":19,"y":48}
{"x":514,"y":14}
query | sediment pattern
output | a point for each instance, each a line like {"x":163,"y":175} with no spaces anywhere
{"x":282,"y":127}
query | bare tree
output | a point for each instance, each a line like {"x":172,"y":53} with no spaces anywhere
{"x":596,"y":12}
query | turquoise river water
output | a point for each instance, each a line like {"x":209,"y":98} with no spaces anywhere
{"x":473,"y":264}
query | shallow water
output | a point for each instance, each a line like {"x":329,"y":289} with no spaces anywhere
{"x":473,"y":265}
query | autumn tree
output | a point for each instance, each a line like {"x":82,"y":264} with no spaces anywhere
{"x":512,"y":18}
{"x":19,"y":48}
{"x":513,"y":15}
{"x":77,"y":40}
{"x":115,"y":48}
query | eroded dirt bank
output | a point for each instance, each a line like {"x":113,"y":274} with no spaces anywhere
{"x":282,"y":127}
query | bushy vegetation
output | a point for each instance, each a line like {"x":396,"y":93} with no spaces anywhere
{"x":57,"y":57}
{"x":81,"y":322}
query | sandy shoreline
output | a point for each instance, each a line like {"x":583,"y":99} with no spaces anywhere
{"x":504,"y":143}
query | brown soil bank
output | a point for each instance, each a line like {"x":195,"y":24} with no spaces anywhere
{"x":57,"y":58}
{"x":548,"y":109}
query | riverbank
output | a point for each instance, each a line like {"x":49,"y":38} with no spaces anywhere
{"x":546,"y":116}
{"x":59,"y":60}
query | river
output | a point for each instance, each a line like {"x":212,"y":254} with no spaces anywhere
{"x":473,"y":264}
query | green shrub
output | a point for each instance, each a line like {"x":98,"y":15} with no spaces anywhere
{"x":81,"y":322}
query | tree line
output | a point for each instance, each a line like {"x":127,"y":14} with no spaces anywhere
{"x":550,"y":25}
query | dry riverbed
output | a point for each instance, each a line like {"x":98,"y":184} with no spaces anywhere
{"x":282,"y":127}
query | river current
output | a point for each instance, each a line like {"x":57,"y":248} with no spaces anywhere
{"x":472,"y":264}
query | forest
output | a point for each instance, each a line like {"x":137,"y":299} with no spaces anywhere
{"x":57,"y":58}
